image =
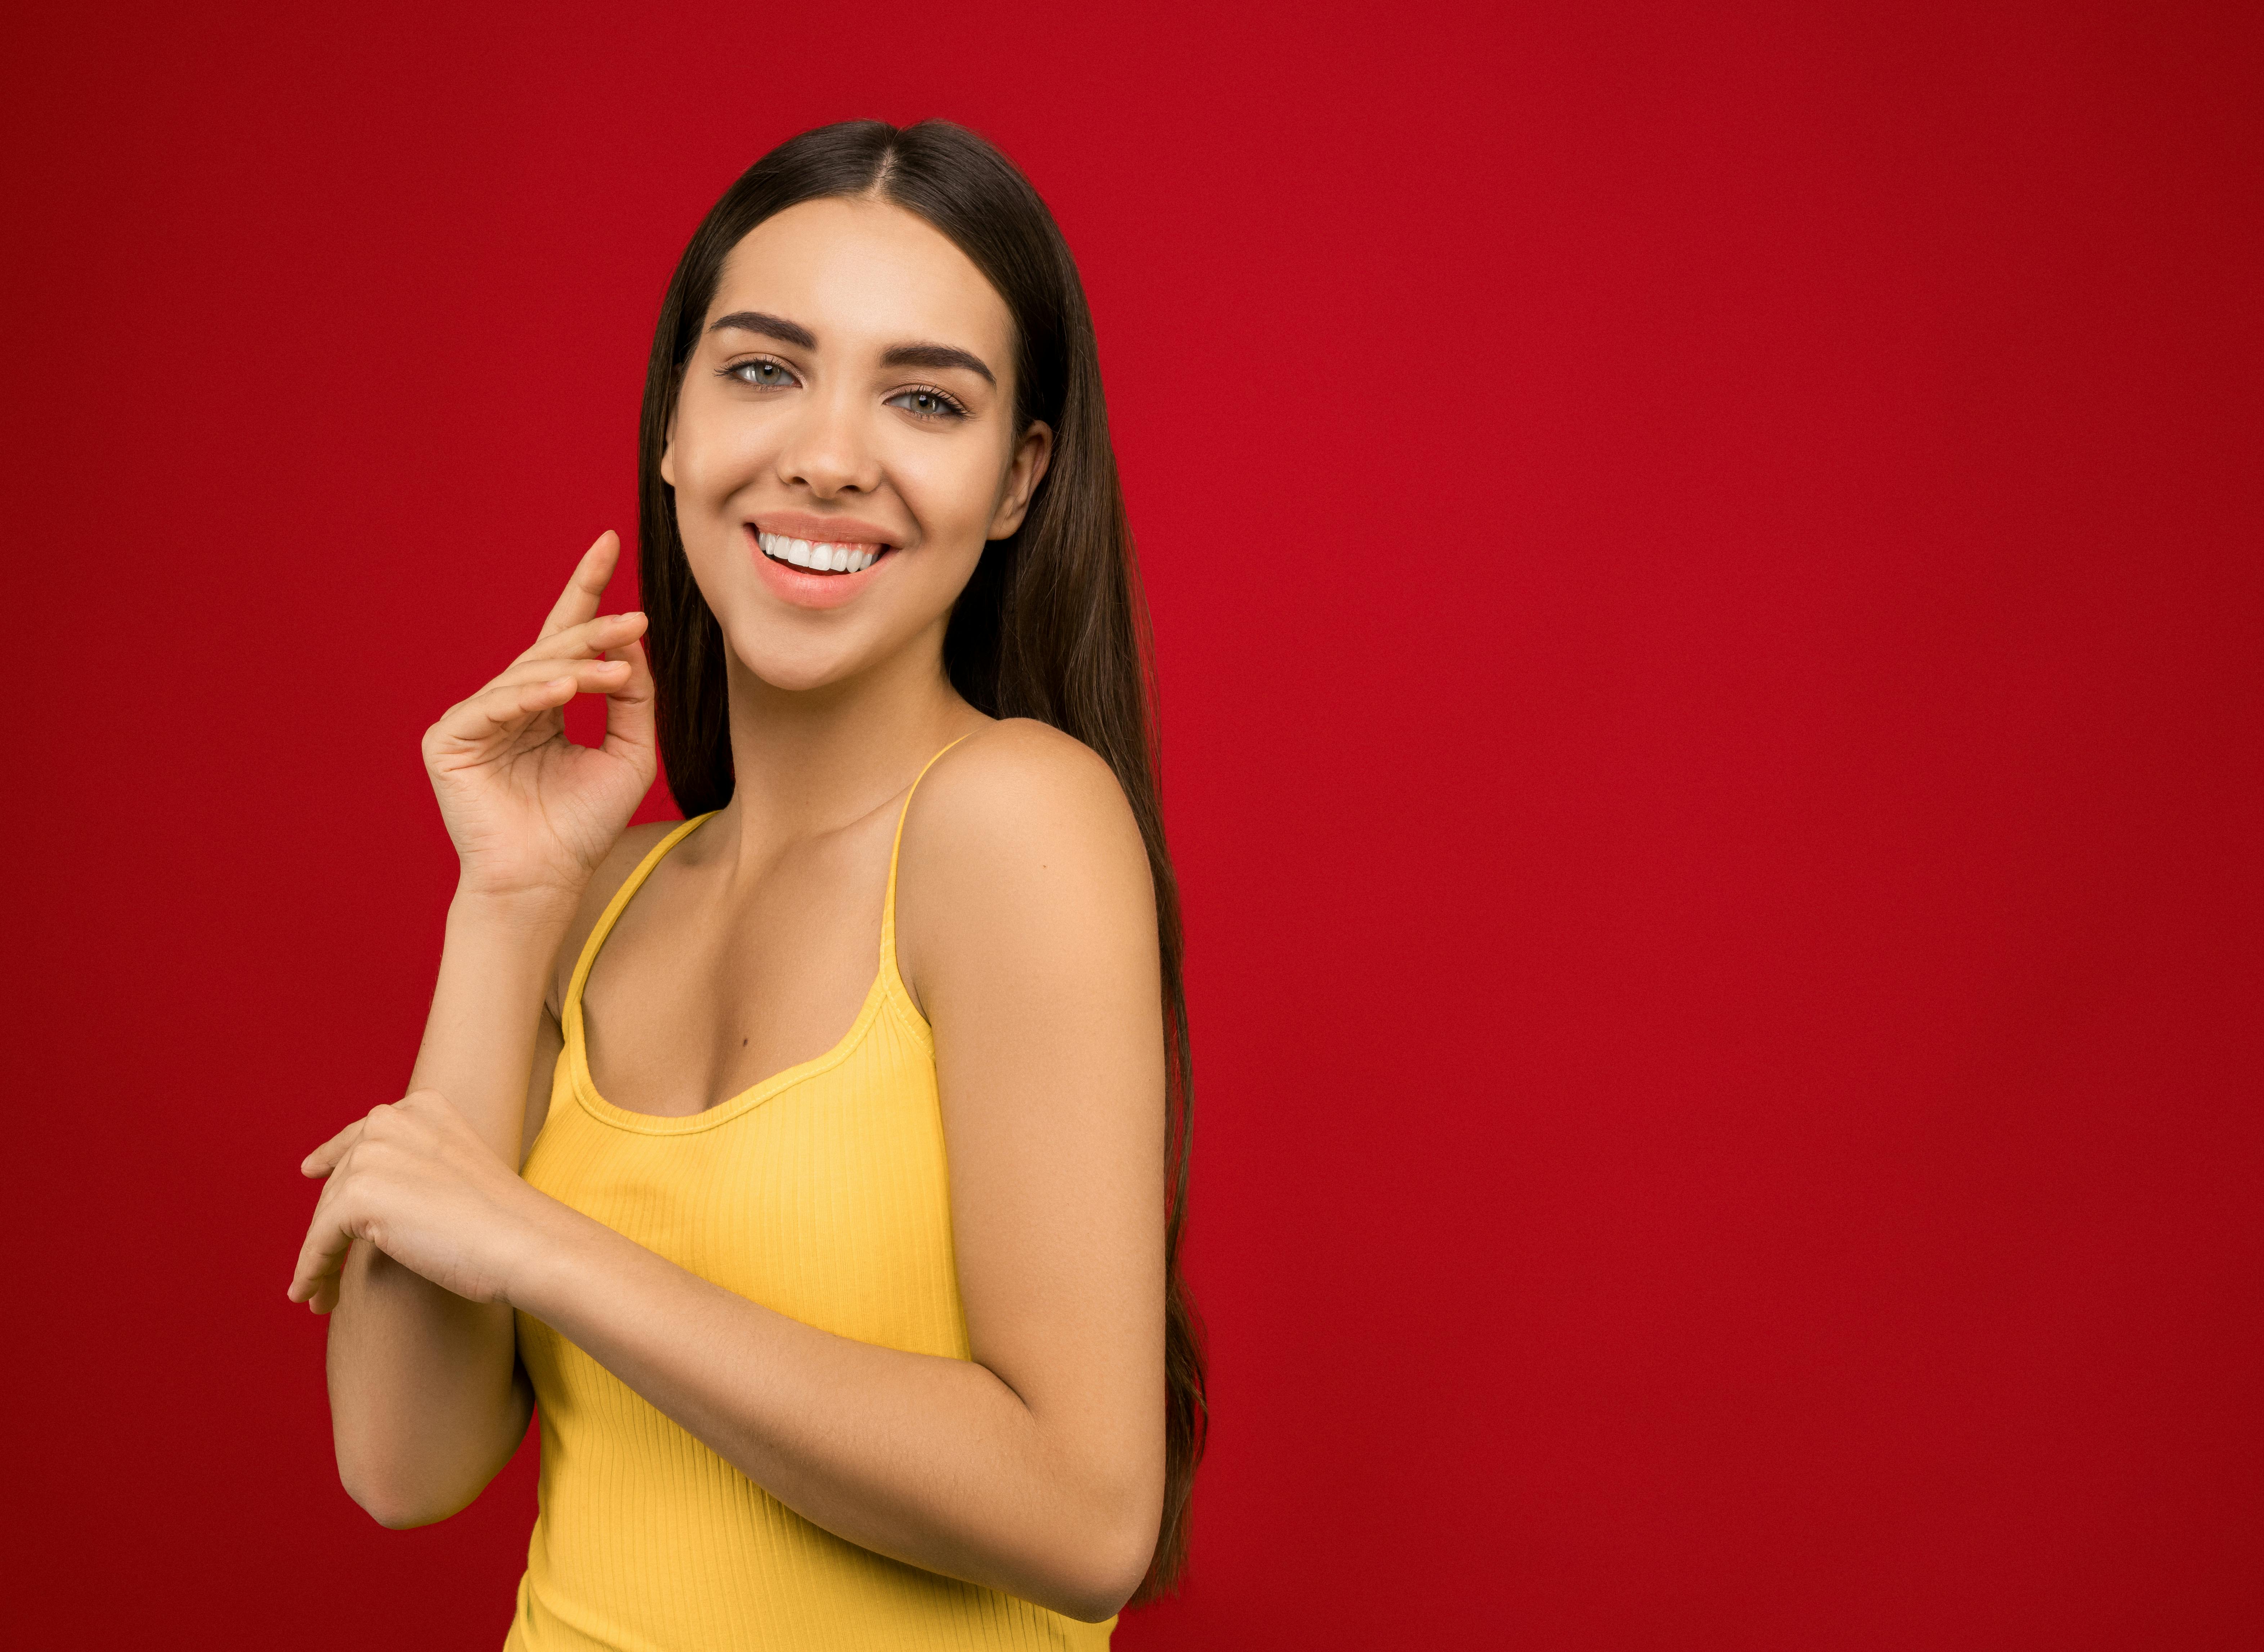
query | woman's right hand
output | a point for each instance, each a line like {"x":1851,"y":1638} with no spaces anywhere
{"x":530,"y":813}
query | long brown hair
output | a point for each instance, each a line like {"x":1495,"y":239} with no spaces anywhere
{"x":1052,"y":625}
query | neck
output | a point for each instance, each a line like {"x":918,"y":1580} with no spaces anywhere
{"x":809,"y":760}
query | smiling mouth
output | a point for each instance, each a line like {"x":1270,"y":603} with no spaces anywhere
{"x":818,"y":556}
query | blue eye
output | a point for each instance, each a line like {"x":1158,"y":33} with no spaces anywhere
{"x":928,"y":404}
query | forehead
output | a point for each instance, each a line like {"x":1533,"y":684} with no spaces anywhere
{"x":862,"y":275}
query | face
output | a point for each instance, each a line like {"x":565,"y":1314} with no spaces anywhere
{"x":844,"y":444}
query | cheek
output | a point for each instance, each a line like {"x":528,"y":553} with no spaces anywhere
{"x":951,"y":490}
{"x":714,"y":458}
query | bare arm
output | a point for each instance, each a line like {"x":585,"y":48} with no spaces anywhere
{"x":1027,"y":926}
{"x":426,"y":1399}
{"x":1037,"y":1467}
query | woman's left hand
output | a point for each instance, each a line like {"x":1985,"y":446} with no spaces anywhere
{"x":414,"y":1179}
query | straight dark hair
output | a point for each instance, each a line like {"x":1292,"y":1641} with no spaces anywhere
{"x":1051,"y":626}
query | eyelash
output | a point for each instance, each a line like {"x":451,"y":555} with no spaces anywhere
{"x":953,"y":407}
{"x":738,"y":369}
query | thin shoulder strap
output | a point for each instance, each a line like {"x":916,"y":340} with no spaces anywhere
{"x":630,"y":885}
{"x":889,"y":907}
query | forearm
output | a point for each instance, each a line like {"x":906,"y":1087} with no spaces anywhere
{"x":426,"y":1400}
{"x":426,"y":1404}
{"x":478,"y":1048}
{"x":935,"y":1462}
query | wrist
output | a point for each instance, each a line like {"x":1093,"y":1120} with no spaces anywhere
{"x":545,"y":1238}
{"x":540,"y":912}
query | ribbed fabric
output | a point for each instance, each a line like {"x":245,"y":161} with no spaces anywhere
{"x":820,"y":1192}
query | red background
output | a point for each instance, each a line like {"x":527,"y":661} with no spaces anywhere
{"x":1707,"y":565}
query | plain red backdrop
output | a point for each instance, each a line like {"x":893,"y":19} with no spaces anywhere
{"x":1708,"y":565}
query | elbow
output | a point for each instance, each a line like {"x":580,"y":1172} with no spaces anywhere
{"x":396,"y":1512}
{"x":393,"y":1508}
{"x":1096,"y":1607}
{"x":396,"y":1516}
{"x":1100,"y":1591}
{"x":402,"y":1479}
{"x":1110,"y":1564}
{"x":394,"y":1502}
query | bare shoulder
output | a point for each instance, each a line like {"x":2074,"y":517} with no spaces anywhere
{"x":622,"y":860}
{"x":1016,"y":787}
{"x":1017,"y":831}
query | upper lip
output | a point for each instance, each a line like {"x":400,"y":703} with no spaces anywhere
{"x":823,"y":530}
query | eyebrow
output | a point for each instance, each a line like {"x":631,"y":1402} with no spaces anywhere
{"x":787,"y":332}
{"x":776,"y":327}
{"x":938,"y":356}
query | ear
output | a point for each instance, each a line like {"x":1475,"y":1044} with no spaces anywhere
{"x":1032,"y":454}
{"x":668,"y":454}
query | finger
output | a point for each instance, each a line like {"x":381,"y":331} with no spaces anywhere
{"x":493,"y":711}
{"x":524,"y":692}
{"x":320,"y":1259}
{"x":325,"y":1159}
{"x":588,"y":640}
{"x":595,"y":675}
{"x":583,"y":591}
{"x":628,"y":709}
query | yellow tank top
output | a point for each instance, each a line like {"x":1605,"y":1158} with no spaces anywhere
{"x":820,"y":1192}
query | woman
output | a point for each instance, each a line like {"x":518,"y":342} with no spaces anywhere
{"x":872,"y":1338}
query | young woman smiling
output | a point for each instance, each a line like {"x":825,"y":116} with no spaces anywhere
{"x":865,"y":1338}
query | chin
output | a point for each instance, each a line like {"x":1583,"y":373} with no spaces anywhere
{"x":795,"y":664}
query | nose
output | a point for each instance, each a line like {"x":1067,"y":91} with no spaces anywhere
{"x":827,"y":451}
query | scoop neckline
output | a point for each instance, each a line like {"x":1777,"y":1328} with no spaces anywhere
{"x":585,"y":1086}
{"x":888,"y":983}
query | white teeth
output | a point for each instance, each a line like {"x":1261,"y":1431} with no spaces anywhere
{"x":839,"y":559}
